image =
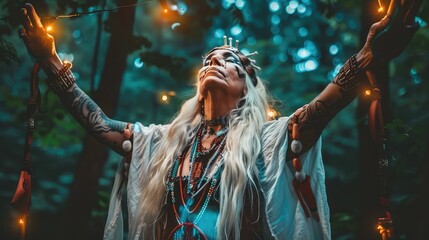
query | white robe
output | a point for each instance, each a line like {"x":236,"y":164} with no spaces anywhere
{"x":284,"y":213}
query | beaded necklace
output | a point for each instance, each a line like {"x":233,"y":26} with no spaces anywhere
{"x":209,"y":123}
{"x":213,"y":159}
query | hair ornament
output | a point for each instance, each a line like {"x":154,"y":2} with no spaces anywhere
{"x":249,"y":64}
{"x":252,"y":54}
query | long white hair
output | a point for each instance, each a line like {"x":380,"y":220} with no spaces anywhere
{"x":239,"y":169}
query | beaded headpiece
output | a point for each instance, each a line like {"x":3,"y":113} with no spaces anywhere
{"x":248,"y":64}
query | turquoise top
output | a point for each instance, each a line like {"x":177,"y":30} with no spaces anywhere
{"x":254,"y":225}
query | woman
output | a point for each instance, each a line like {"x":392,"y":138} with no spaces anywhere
{"x":219,"y":170}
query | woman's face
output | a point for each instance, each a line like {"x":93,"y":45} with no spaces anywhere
{"x":222,"y":71}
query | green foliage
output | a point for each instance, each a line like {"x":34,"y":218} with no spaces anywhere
{"x":7,"y":52}
{"x":102,"y":207}
{"x":343,"y":225}
{"x":173,"y":65}
{"x":137,"y":42}
{"x":56,"y":127}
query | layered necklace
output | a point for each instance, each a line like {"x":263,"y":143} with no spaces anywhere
{"x":204,"y":173}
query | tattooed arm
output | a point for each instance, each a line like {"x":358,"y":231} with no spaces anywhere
{"x":313,"y":117}
{"x":86,"y":111}
{"x":386,"y":39}
{"x":41,"y":46}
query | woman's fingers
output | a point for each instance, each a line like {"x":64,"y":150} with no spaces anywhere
{"x":385,"y":21}
{"x":26,"y":22}
{"x":22,"y":33}
{"x":31,"y":12}
{"x":392,"y":7}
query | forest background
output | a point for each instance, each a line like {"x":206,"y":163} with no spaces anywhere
{"x":140,"y":64}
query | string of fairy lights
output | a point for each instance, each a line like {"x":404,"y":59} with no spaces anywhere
{"x":97,"y":11}
{"x":49,"y":21}
{"x":164,"y":96}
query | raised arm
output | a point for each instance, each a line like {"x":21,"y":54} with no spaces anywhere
{"x":386,"y":39}
{"x":62,"y":81}
{"x":314,"y":116}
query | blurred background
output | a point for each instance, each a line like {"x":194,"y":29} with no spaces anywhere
{"x":140,"y":64}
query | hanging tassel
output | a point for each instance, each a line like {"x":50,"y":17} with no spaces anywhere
{"x":385,"y":226}
{"x":306,"y":197}
{"x":376,"y":126}
{"x":127,"y":146}
{"x":375,"y":117}
{"x":189,"y":227}
{"x":21,"y":199}
{"x":301,"y":182}
{"x":296,"y":187}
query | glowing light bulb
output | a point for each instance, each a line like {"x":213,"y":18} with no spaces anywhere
{"x":164,"y":98}
{"x":380,"y":8}
{"x":49,"y":28}
{"x":381,"y":229}
{"x":367,"y":92}
{"x":164,"y":5}
{"x":272,"y":113}
{"x":21,"y":221}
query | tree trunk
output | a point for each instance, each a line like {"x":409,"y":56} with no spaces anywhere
{"x":423,"y":230}
{"x":76,"y":222}
{"x":369,"y":207}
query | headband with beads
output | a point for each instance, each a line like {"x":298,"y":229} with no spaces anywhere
{"x":249,"y":65}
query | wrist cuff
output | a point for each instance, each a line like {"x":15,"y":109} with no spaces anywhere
{"x":63,"y":80}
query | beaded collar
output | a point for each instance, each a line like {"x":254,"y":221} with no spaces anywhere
{"x":222,"y":121}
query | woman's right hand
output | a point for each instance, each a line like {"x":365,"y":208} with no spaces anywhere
{"x":389,"y":37}
{"x":39,"y":43}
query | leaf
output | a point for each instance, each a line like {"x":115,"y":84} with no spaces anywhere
{"x":137,"y":42}
{"x":8,"y":53}
{"x":237,"y":15}
{"x":173,"y":65}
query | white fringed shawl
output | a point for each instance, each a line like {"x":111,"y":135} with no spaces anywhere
{"x":285,"y":215}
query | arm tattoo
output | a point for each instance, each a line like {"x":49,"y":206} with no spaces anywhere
{"x":88,"y":113}
{"x":347,"y":77}
{"x":313,"y":117}
{"x":90,"y":116}
{"x":83,"y":108}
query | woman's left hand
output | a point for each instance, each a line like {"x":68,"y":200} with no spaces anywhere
{"x":390,"y":36}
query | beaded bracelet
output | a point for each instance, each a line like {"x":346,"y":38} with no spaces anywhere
{"x":346,"y":78}
{"x":63,"y":80}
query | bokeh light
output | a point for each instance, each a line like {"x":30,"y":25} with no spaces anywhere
{"x":274,"y":6}
{"x":333,"y":49}
{"x":138,"y":63}
{"x":236,"y":30}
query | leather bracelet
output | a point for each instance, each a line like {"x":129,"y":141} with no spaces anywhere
{"x":63,"y":80}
